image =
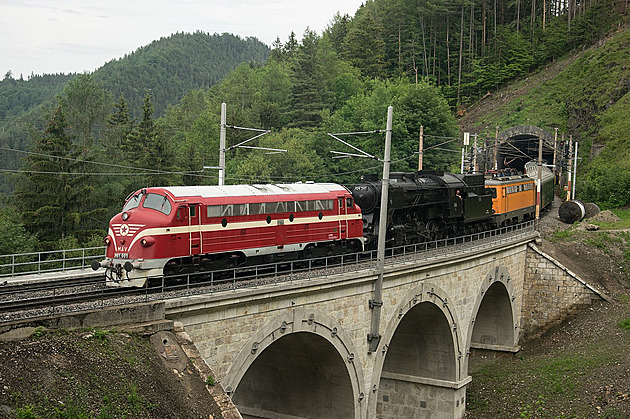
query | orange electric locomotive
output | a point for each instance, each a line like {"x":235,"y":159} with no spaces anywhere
{"x":514,"y":197}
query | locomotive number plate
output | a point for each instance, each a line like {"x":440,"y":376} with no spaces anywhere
{"x":121,"y":255}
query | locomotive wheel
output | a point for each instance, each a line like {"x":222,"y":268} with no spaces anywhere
{"x":432,"y":230}
{"x":231,"y":263}
{"x":307,"y":253}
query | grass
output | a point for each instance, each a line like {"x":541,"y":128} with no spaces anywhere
{"x":602,"y":240}
{"x":625,"y":324}
{"x":532,"y":384}
{"x":562,"y":235}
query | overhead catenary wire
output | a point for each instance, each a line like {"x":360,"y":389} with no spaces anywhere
{"x":151,"y":172}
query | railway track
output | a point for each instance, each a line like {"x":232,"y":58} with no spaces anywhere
{"x":36,"y":299}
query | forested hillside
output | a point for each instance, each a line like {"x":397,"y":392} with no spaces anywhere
{"x":587,"y":97}
{"x":429,"y":60}
{"x":172,"y":66}
{"x":168,"y":68}
{"x":469,"y":48}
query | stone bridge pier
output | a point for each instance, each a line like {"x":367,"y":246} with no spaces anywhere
{"x":299,"y":349}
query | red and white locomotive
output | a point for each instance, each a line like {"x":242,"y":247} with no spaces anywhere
{"x":181,"y":229}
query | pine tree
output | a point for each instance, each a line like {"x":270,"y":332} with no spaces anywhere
{"x":364,"y":46}
{"x":154,"y":151}
{"x":52,"y":193}
{"x":307,"y":84}
{"x":119,"y":129}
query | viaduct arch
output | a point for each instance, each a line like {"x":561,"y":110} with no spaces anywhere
{"x":301,"y":364}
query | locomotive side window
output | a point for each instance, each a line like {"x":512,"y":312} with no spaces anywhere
{"x":157,"y":202}
{"x":349,"y":203}
{"x":227,"y":210}
{"x":257,"y":209}
{"x":300,"y":206}
{"x":320,"y":205}
{"x":241,"y":209}
{"x":192,"y":211}
{"x":213,"y":211}
{"x":276,"y":207}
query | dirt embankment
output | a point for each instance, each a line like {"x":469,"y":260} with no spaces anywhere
{"x":92,"y":374}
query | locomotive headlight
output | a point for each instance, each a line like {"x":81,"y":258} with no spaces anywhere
{"x":147,"y":241}
{"x":107,"y":241}
{"x":125,"y":216}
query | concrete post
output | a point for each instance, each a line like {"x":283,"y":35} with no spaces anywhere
{"x":374,"y":336}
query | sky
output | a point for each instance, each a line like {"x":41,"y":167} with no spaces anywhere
{"x":73,"y":36}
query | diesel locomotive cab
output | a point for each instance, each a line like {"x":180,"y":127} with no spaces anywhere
{"x":130,"y":251}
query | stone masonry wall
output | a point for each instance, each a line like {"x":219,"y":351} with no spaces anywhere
{"x":551,"y":293}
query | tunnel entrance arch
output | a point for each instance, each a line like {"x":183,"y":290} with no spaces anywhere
{"x":299,"y":365}
{"x":519,"y":145}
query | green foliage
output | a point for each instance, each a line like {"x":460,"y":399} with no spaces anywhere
{"x":414,"y":105}
{"x":606,"y":184}
{"x":39,"y":332}
{"x":26,"y":412}
{"x":101,"y":335}
{"x":532,"y":410}
{"x":210,"y":381}
{"x":602,"y":240}
{"x":562,"y":235}
{"x":13,"y":236}
{"x":612,"y":413}
{"x":85,"y":106}
{"x":625,"y":324}
{"x":534,"y":384}
{"x":172,"y":66}
{"x":364,"y":44}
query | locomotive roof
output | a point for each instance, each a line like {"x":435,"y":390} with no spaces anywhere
{"x":253,"y":190}
{"x":531,"y":170}
{"x":507,"y":180}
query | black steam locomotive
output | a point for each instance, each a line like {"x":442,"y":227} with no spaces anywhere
{"x":424,"y":206}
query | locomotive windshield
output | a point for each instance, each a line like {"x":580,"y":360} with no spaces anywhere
{"x":133,"y":202}
{"x":158,"y":202}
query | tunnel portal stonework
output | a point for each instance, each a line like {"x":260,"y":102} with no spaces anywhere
{"x":299,"y":349}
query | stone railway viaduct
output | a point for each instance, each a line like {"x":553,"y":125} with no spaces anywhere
{"x":299,"y":349}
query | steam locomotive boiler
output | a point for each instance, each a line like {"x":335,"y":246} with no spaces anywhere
{"x":424,"y":206}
